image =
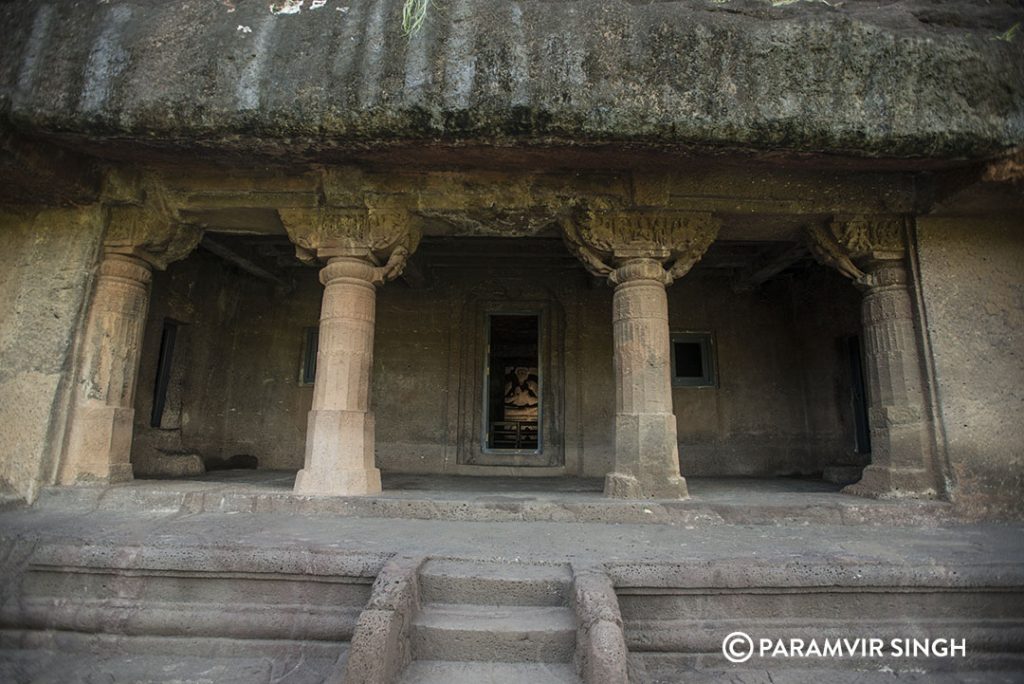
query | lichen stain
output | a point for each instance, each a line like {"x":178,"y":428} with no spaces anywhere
{"x":288,"y":6}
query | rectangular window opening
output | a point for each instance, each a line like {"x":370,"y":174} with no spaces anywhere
{"x":311,"y":342}
{"x":693,"y":361}
{"x":513,"y":387}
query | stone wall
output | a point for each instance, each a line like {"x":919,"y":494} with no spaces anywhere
{"x":47,"y":261}
{"x":973,"y":289}
{"x":781,"y":405}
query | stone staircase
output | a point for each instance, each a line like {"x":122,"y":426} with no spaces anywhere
{"x":77,"y":612}
{"x":489,"y":623}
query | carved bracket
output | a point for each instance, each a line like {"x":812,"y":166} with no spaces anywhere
{"x":395,"y":265}
{"x":385,"y":236}
{"x":870,"y":237}
{"x":849,"y":243}
{"x":606,"y":240}
{"x":149,"y":234}
{"x":594,"y":264}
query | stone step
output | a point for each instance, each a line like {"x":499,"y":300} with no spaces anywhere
{"x":138,"y":617}
{"x":55,"y":667}
{"x":796,"y":672}
{"x":56,"y":657}
{"x":506,"y":634}
{"x":445,"y":581}
{"x":447,"y":672}
{"x":742,"y":502}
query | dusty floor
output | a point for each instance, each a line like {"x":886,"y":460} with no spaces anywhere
{"x":595,"y":542}
{"x":798,"y":520}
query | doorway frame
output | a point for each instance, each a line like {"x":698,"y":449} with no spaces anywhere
{"x":473,"y":449}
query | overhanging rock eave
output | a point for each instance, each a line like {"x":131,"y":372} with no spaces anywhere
{"x":805,"y":78}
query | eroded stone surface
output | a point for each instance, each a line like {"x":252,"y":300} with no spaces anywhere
{"x":46,"y":268}
{"x":903,"y":79}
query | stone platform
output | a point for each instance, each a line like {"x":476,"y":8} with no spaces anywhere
{"x":229,"y":578}
{"x":713,"y":501}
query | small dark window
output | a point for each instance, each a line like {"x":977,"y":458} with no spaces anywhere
{"x":309,"y":348}
{"x":689,"y":360}
{"x":693,"y":360}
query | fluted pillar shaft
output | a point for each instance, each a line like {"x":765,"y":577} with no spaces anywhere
{"x":646,"y":450}
{"x":100,"y":431}
{"x":892,"y":364}
{"x":340,"y":430}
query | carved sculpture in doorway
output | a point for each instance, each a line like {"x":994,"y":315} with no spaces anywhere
{"x":522,"y":393}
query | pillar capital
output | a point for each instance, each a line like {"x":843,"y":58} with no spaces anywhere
{"x":375,"y":235}
{"x":640,"y":269}
{"x":857,"y":245}
{"x":363,"y":269}
{"x":148,"y":234}
{"x":610,"y":240}
{"x":126,"y":266}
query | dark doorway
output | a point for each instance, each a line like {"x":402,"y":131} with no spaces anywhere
{"x":513,"y":395}
{"x":862,"y":430}
{"x":165,"y":363}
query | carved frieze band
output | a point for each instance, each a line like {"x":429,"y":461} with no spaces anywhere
{"x":849,"y":243}
{"x":149,"y":234}
{"x":380,"y":236}
{"x":605,"y":241}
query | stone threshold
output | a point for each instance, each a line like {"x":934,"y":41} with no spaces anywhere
{"x":713,"y":501}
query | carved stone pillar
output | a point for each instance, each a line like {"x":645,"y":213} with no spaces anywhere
{"x":631,"y":249}
{"x":339,"y":456}
{"x":99,"y":435}
{"x":872,"y":252}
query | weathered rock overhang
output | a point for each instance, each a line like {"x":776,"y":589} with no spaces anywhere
{"x":906,"y":79}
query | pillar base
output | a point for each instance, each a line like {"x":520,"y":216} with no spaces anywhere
{"x":99,"y":450}
{"x":881,"y":482}
{"x":360,"y":482}
{"x":339,"y":455}
{"x":623,"y":486}
{"x":645,"y":444}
